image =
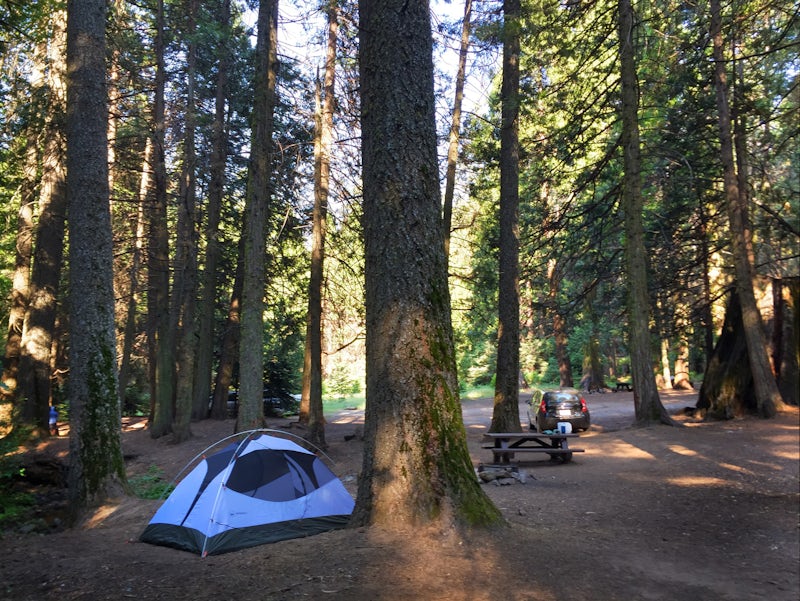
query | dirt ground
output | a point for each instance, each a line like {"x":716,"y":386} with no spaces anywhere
{"x":706,"y":511}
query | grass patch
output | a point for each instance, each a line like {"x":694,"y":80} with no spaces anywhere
{"x":478,"y":392}
{"x":358,"y":401}
{"x":151,"y":484}
{"x":340,"y":403}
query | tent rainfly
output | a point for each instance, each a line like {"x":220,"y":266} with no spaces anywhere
{"x":262,"y":489}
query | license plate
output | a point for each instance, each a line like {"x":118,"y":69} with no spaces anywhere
{"x":564,"y":413}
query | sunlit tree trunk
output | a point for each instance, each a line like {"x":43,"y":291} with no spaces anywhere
{"x":117,"y":8}
{"x":311,"y":400}
{"x":645,"y":394}
{"x":96,"y":467}
{"x":666,"y":372}
{"x":20,"y":283}
{"x":682,"y":377}
{"x":768,"y":396}
{"x":505,"y":416}
{"x":416,"y":467}
{"x":455,"y":127}
{"x":40,"y":318}
{"x":251,"y":343}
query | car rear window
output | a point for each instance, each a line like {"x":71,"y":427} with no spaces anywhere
{"x":561,"y":397}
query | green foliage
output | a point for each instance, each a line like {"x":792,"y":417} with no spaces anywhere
{"x":137,"y":401}
{"x":341,"y":383}
{"x":151,"y":484}
{"x":13,"y":503}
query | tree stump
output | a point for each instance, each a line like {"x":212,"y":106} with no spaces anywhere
{"x":728,"y":389}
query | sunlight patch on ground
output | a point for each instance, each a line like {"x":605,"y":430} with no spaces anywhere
{"x":737,"y":468}
{"x":682,"y":450}
{"x":688,"y":481}
{"x":349,"y":419}
{"x":786,"y":455}
{"x":624,"y":450}
{"x":101,"y":514}
{"x":767,"y":465}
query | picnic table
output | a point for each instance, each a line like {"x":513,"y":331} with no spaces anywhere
{"x":624,"y":385}
{"x":504,"y":445}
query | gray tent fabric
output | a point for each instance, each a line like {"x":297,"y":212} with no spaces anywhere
{"x":261,"y":490}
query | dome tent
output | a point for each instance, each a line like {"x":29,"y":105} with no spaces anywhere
{"x":259,"y":490}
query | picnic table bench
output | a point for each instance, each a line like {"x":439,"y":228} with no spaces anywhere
{"x":624,"y":385}
{"x":504,"y":445}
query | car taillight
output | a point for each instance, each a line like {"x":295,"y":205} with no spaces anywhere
{"x":584,"y":408}
{"x":542,"y":407}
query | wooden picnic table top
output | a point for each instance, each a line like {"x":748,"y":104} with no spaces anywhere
{"x":527,"y":435}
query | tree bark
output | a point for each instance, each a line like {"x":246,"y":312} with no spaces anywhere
{"x":96,"y":467}
{"x":647,"y":403}
{"x":251,"y":344}
{"x":416,"y":467}
{"x":768,"y":397}
{"x":505,"y":415}
{"x":311,"y":412}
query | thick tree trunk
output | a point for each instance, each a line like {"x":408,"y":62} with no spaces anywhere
{"x":645,"y":394}
{"x":311,"y":401}
{"x":416,"y":469}
{"x":728,"y":388}
{"x":96,"y":465}
{"x":251,"y":344}
{"x":505,"y":416}
{"x":768,"y":396}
